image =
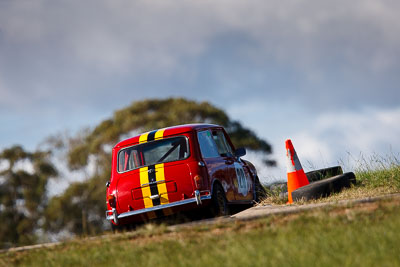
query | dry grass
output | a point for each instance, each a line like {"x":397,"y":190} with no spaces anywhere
{"x":375,"y":176}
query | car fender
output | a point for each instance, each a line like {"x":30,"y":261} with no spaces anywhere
{"x":251,"y":167}
{"x":214,"y":182}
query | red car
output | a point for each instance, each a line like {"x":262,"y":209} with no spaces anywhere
{"x":176,"y":169}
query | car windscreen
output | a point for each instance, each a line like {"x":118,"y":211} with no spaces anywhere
{"x":154,"y":152}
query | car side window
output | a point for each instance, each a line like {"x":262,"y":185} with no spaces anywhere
{"x":208,"y":147}
{"x":224,"y":149}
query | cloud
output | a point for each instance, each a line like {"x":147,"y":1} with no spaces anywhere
{"x":344,"y":137}
{"x":281,"y":67}
{"x":66,"y":176}
{"x":267,"y":175}
{"x":331,"y":50}
{"x":21,"y":165}
{"x":323,"y":138}
{"x":4,"y":165}
{"x":24,"y":165}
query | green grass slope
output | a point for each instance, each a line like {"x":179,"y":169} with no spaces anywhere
{"x":365,"y":234}
{"x":362,"y":235}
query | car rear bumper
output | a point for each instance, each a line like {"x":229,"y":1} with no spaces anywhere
{"x":112,"y":215}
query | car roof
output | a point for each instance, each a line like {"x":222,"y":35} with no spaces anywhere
{"x":169,"y":131}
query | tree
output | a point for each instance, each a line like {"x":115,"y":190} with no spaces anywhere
{"x":85,"y":200}
{"x":158,"y":113}
{"x":23,"y":185}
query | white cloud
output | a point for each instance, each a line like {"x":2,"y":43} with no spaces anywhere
{"x":4,"y":165}
{"x":66,"y":177}
{"x":313,"y":152}
{"x":161,"y":35}
{"x":24,"y":165}
{"x":321,"y":139}
{"x":282,"y":67}
{"x":335,"y":136}
{"x":267,"y":175}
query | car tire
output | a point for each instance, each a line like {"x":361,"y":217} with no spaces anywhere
{"x":259,"y":189}
{"x":123,"y":228}
{"x":324,"y":187}
{"x":321,"y":174}
{"x":219,"y":202}
{"x":116,"y":228}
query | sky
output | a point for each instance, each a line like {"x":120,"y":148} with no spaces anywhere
{"x":325,"y":74}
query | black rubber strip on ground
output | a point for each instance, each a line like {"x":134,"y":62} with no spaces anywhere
{"x":312,"y":176}
{"x":324,"y":187}
{"x":321,"y":174}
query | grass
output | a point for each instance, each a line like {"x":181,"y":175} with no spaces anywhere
{"x":379,"y":171}
{"x":362,"y":235}
{"x":376,"y":175}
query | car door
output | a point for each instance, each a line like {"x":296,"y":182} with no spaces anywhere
{"x":236,"y":170}
{"x":217,"y":165}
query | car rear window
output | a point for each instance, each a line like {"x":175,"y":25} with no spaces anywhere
{"x":154,"y":152}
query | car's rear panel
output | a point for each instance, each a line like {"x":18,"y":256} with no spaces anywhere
{"x":159,"y":189}
{"x":154,"y":185}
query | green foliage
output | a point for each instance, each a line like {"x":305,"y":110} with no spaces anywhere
{"x":79,"y":209}
{"x":22,"y":194}
{"x":159,"y":113}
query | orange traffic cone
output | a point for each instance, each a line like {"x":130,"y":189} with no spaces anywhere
{"x":296,"y":176}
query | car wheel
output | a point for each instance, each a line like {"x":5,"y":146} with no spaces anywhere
{"x":220,"y":205}
{"x":116,"y":228}
{"x":324,"y":187}
{"x":122,"y":228}
{"x":259,"y":189}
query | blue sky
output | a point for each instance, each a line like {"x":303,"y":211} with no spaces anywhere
{"x":324,"y":73}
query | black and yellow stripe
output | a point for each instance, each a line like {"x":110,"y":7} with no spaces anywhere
{"x":151,"y":175}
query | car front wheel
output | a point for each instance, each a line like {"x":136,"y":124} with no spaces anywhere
{"x":220,"y":205}
{"x":260,"y":192}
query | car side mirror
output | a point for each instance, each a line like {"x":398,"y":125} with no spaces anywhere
{"x":240,"y":152}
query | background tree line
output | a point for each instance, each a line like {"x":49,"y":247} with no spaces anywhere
{"x":27,"y":213}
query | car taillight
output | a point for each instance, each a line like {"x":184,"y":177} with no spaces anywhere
{"x":197,"y":181}
{"x":111,"y":200}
